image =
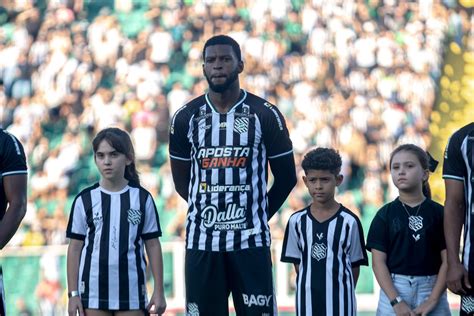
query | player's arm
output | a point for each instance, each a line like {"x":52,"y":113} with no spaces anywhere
{"x":284,"y":179}
{"x":157,"y":304}
{"x":454,"y":208}
{"x":15,"y":192}
{"x":181,"y":171}
{"x":73,"y":256}
{"x":382,"y":274}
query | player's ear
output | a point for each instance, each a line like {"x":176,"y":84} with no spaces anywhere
{"x":339,"y":179}
{"x":240,"y":66}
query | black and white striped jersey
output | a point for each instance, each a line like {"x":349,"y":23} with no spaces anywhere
{"x":459,"y":165}
{"x":227,"y":203}
{"x":12,"y":162}
{"x":113,"y":226}
{"x":326,"y":253}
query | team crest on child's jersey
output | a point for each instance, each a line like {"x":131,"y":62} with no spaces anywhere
{"x":192,"y":310}
{"x":134,"y":216}
{"x":318,"y":251}
{"x":241,"y":125}
{"x":415,"y":223}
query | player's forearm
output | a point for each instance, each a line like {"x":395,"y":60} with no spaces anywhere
{"x":155,"y":257}
{"x":453,"y":221}
{"x":382,"y":274}
{"x":11,"y":221}
{"x":355,"y":275}
{"x":278,"y":194}
{"x":181,"y":172}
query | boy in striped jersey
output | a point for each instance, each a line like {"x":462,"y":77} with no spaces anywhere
{"x":325,"y":242}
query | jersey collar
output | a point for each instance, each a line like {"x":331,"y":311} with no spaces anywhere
{"x":243,"y":95}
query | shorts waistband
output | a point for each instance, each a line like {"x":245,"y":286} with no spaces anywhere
{"x":412,"y":277}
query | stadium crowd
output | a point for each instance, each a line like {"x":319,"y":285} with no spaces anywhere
{"x":359,"y":76}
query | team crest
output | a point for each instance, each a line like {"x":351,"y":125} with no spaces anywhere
{"x":318,"y":251}
{"x":241,"y":125}
{"x":192,"y":310}
{"x":467,"y":304}
{"x":134,"y":216}
{"x":415,"y":223}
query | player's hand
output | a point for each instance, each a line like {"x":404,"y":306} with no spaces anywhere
{"x":426,"y":307}
{"x":74,"y":306}
{"x":157,"y":305}
{"x":457,"y":278}
{"x":402,"y":309}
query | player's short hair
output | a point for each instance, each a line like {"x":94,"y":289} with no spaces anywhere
{"x":223,"y":40}
{"x":322,"y":159}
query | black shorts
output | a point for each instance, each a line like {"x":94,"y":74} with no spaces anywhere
{"x":212,"y":276}
{"x":2,"y":295}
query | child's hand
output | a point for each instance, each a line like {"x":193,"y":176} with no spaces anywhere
{"x":426,"y":307}
{"x":402,"y":309}
{"x":157,"y":305}
{"x":75,"y":306}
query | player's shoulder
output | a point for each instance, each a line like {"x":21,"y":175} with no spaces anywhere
{"x":86,"y":191}
{"x":435,"y":206}
{"x":463,"y":132}
{"x":258,"y":104}
{"x":139,"y":188}
{"x":8,"y":139}
{"x":191,"y":107}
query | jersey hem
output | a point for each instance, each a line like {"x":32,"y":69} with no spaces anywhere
{"x":447,"y":176}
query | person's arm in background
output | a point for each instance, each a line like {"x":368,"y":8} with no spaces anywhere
{"x":15,"y":192}
{"x":181,"y":171}
{"x":454,"y":209}
{"x":284,"y":179}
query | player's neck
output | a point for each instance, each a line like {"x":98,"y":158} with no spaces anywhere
{"x":323,"y":211}
{"x":113,"y":185}
{"x":224,"y":101}
{"x":411,"y":198}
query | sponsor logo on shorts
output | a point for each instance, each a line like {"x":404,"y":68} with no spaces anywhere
{"x":223,"y":157}
{"x":205,"y":188}
{"x":257,"y":300}
{"x":233,"y":218}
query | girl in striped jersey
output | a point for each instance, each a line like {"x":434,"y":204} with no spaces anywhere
{"x":407,"y":241}
{"x":110,"y":224}
{"x":325,"y":242}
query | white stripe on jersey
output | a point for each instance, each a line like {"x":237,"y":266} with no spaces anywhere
{"x":330,"y":266}
{"x":468,"y":213}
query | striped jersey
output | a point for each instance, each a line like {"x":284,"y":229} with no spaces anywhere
{"x":227,"y":203}
{"x":459,"y":165}
{"x":113,"y":226}
{"x":12,"y":162}
{"x":325,"y":252}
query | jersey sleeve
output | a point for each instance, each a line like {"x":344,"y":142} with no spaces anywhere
{"x":453,"y":165}
{"x":179,"y":146}
{"x":275,"y":133}
{"x":12,"y":157}
{"x":357,"y":252}
{"x":292,"y":249}
{"x":377,"y":237}
{"x":151,"y":227}
{"x":77,"y":225}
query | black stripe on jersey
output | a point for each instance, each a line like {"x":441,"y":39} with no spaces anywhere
{"x":124,"y":292}
{"x":345,"y":275}
{"x":104,"y":252}
{"x":207,"y":143}
{"x":87,"y":201}
{"x":304,"y":220}
{"x":221,"y":179}
{"x":335,"y":265}
{"x":261,"y":194}
{"x":470,"y":199}
{"x":250,"y":176}
{"x":318,"y":271}
{"x":69,"y":232}
{"x":141,"y":276}
{"x":236,"y":197}
{"x":195,"y":180}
